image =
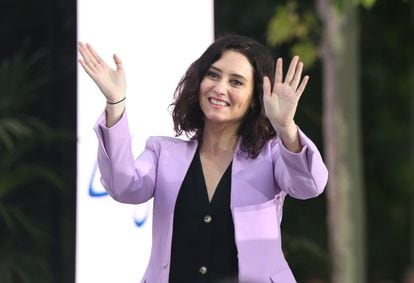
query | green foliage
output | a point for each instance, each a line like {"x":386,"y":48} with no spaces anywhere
{"x":306,"y":257}
{"x":298,"y":28}
{"x":365,"y":3}
{"x":25,"y":179}
{"x":284,"y":25}
{"x":386,"y":63}
{"x":18,"y":265}
{"x":340,"y":4}
{"x":306,"y":51}
{"x":18,"y":88}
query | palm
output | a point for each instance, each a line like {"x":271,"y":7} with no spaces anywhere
{"x":281,"y":101}
{"x":111,"y":82}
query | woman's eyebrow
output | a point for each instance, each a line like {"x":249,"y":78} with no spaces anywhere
{"x":234,"y":74}
{"x":215,"y":69}
{"x":239,"y":76}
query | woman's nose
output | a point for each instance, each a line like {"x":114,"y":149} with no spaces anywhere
{"x":220,"y":88}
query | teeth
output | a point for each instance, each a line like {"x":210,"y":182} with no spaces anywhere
{"x":218,"y":102}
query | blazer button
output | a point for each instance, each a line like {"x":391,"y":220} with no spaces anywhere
{"x":203,"y":270}
{"x":207,"y":218}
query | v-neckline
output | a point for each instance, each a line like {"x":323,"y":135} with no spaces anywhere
{"x":204,"y":184}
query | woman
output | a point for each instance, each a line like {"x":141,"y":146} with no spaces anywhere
{"x":218,"y":197}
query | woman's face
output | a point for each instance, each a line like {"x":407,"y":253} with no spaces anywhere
{"x":227,"y":88}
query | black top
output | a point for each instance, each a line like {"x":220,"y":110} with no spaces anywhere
{"x":203,"y":247}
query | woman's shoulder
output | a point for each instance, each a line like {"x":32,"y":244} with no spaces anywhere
{"x":161,"y":145}
{"x":166,"y":141}
{"x":271,"y":144}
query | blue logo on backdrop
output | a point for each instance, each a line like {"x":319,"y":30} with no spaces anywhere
{"x":96,"y":190}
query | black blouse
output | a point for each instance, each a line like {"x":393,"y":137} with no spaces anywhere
{"x":203,"y":247}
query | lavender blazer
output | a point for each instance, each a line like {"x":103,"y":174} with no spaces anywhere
{"x":258,"y":189}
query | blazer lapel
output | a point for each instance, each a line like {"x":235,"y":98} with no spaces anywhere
{"x":174,"y":164}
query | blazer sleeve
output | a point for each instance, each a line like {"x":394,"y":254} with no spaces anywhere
{"x":126,"y":179}
{"x":302,"y":175}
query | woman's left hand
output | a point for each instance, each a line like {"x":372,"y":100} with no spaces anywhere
{"x":281,"y":100}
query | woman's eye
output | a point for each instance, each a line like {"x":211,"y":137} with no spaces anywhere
{"x":212,"y":75}
{"x":236,"y":82}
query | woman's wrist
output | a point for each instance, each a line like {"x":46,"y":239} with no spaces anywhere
{"x":114,"y":112}
{"x":290,"y":137}
{"x":116,"y":101}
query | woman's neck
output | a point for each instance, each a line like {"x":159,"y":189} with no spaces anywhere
{"x":218,"y":139}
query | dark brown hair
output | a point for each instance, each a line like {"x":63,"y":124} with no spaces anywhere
{"x":255,"y":129}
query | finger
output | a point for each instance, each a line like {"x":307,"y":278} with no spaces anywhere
{"x":266,"y":87}
{"x":95,"y":55}
{"x":81,"y":49}
{"x":118,"y":63}
{"x":291,"y":70}
{"x":88,"y":70}
{"x":297,"y":76}
{"x":302,"y":86}
{"x":86,"y":56}
{"x":92,"y":57}
{"x":279,"y":71}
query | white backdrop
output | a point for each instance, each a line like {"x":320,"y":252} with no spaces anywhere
{"x":157,"y":40}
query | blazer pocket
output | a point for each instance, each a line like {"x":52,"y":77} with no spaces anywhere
{"x":257,"y":222}
{"x":258,"y":242}
{"x":283,"y":276}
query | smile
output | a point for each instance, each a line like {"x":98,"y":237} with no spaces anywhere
{"x":218,"y":102}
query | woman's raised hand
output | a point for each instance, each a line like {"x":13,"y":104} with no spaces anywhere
{"x":111,"y":82}
{"x":281,"y":100}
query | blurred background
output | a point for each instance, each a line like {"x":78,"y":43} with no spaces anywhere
{"x":358,"y":108}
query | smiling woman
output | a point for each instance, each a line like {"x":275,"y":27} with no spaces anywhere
{"x":218,"y":197}
{"x":226,"y":91}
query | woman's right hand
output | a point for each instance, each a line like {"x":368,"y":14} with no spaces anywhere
{"x":111,"y":82}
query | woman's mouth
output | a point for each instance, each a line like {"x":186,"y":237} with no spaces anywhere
{"x":218,"y":102}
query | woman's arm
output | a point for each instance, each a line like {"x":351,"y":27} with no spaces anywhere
{"x":126,"y":179}
{"x":302,"y":175}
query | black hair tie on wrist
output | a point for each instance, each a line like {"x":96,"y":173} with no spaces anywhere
{"x":119,"y":101}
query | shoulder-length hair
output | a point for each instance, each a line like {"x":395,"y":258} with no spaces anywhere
{"x":255,"y":129}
